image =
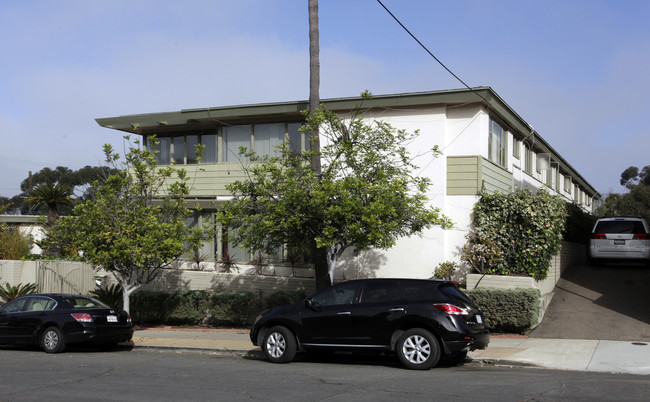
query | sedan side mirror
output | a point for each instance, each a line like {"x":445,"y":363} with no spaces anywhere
{"x":312,"y":304}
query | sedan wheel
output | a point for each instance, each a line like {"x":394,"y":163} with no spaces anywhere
{"x":52,"y":340}
{"x":279,"y":345}
{"x":418,"y":349}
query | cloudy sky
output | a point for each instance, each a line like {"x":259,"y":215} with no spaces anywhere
{"x":576,"y":70}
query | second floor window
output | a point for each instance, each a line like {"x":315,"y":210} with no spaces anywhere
{"x":497,"y":144}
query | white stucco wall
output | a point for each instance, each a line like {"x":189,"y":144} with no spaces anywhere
{"x":456,"y":131}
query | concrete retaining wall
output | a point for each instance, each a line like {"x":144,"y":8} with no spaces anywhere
{"x":570,"y":254}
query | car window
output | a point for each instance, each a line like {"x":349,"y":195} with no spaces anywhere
{"x":420,"y":290}
{"x":83,"y":302}
{"x":14,"y":306}
{"x":456,"y":294}
{"x":39,"y":304}
{"x":343,"y":293}
{"x":382,"y":292}
{"x":634,"y":227}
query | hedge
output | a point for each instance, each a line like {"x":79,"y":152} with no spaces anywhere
{"x":196,"y":307}
{"x":508,"y":310}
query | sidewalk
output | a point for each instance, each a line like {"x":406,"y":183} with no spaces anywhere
{"x":563,"y":354}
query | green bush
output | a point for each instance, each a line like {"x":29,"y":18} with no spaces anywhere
{"x":187,"y":307}
{"x":526,"y":227}
{"x":111,"y":295}
{"x":508,"y":310}
{"x":9,"y":292}
{"x":578,"y":224}
{"x":149,"y":307}
{"x":234,"y":307}
{"x":284,"y":297}
{"x":13,"y":244}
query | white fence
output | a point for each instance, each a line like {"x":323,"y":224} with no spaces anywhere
{"x":49,"y":276}
{"x":81,"y":278}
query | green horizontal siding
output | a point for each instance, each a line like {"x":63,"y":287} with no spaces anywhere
{"x":496,"y":178}
{"x":466,"y":175}
{"x":463,"y":175}
{"x":211,"y":180}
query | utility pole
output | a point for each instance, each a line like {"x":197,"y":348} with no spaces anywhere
{"x":314,"y":80}
{"x":319,"y":254}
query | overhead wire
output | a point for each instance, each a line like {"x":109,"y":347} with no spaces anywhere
{"x":430,"y":53}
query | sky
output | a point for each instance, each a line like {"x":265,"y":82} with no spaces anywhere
{"x":575,"y":70}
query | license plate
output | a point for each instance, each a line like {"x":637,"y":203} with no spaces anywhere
{"x":479,"y":319}
{"x":111,"y":318}
{"x":619,"y":242}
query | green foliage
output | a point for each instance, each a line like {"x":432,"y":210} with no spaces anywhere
{"x":13,"y":244}
{"x":526,"y":227}
{"x":134,"y":222}
{"x":234,"y":307}
{"x":445,"y":270}
{"x":508,"y":310}
{"x":367,"y":194}
{"x":634,"y":203}
{"x":481,"y":254}
{"x":187,"y":307}
{"x":52,"y":195}
{"x":578,"y":224}
{"x":9,"y":292}
{"x":111,"y":295}
{"x":284,"y":297}
{"x":196,"y":307}
{"x":149,"y":307}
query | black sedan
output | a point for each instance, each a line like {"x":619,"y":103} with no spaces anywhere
{"x":53,"y":321}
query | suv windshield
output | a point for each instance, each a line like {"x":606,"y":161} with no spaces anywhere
{"x":634,"y":227}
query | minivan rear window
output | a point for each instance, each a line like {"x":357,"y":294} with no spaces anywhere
{"x":635,"y":227}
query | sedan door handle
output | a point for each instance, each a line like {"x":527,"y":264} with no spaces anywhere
{"x":343,"y":313}
{"x":396,"y":309}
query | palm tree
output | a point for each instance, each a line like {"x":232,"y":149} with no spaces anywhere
{"x":53,"y":195}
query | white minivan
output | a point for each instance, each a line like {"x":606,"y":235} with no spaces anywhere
{"x":620,"y":239}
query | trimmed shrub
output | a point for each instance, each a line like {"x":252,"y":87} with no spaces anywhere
{"x":149,"y":307}
{"x":284,"y":297}
{"x":508,"y":310}
{"x":187,"y":307}
{"x":233,"y":307}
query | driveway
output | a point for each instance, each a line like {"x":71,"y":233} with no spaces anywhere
{"x":611,"y":302}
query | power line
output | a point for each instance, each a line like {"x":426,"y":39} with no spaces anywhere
{"x":431,"y":54}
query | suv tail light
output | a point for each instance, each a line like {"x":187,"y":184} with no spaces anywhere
{"x":82,"y":317}
{"x":642,"y":236}
{"x":450,"y":309}
{"x":598,"y":236}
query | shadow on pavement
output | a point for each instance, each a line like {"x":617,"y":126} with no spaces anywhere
{"x":609,"y":302}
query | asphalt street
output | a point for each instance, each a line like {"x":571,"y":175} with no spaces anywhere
{"x":88,"y":375}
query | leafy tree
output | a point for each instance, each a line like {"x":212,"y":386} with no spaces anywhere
{"x":636,"y":202}
{"x":366,"y":196}
{"x":52,"y":195}
{"x":133,"y":225}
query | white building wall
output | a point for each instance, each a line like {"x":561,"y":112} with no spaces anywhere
{"x":456,"y":131}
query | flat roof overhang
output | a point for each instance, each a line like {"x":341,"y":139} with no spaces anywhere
{"x":203,"y":119}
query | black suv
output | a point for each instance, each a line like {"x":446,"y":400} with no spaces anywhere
{"x":421,"y":321}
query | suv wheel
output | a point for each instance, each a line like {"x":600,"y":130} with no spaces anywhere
{"x":279,"y":345}
{"x":418,"y":349}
